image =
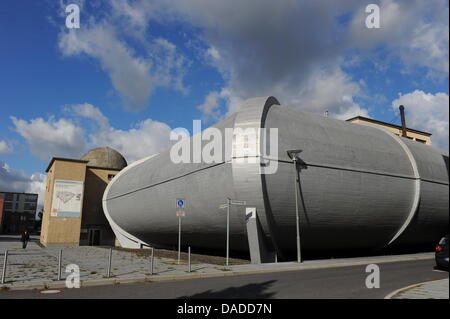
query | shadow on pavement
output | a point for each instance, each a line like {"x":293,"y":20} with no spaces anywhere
{"x":254,"y":291}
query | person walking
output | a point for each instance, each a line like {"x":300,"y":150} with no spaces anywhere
{"x":25,"y":239}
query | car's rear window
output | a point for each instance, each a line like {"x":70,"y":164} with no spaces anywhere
{"x":443,"y":241}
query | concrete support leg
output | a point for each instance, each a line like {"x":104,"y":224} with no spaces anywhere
{"x":259,"y":252}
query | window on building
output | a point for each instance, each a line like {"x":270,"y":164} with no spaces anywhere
{"x":111,"y":176}
{"x":420,"y":140}
{"x":29,"y":206}
{"x":9,"y":197}
{"x":31,"y":198}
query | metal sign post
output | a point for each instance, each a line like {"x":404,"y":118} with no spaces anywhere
{"x":108,"y":275}
{"x":152,"y":261}
{"x":189,"y":259}
{"x":179,"y":238}
{"x":181,"y":205}
{"x":59,"y":264}
{"x":5,"y":263}
{"x":227,"y":206}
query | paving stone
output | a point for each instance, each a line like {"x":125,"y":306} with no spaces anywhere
{"x":430,"y":290}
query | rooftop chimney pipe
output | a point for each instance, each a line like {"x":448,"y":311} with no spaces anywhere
{"x":402,"y":116}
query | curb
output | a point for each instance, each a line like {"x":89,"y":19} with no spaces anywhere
{"x":399,"y":291}
{"x":157,"y":278}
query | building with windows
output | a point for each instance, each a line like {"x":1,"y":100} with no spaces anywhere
{"x":17,"y":212}
{"x":412,"y":134}
{"x":73,"y":213}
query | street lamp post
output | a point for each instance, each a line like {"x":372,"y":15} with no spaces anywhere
{"x":228,"y":229}
{"x":227,"y":206}
{"x":293,"y":154}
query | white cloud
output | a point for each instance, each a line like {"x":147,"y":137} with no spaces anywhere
{"x":5,"y":148}
{"x":427,"y":112}
{"x":134,"y":75}
{"x":51,"y":138}
{"x":269,"y":48}
{"x":210,"y":106}
{"x":265,"y":48}
{"x":87,"y":110}
{"x":332,"y":91}
{"x":325,"y":90}
{"x":64,"y":138}
{"x":37,"y":185}
{"x":213,"y":53}
{"x":414,"y":31}
{"x":129,"y":74}
{"x":143,"y":139}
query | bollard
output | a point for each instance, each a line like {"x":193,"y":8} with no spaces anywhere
{"x":5,"y":261}
{"x":59,"y":264}
{"x":189,"y":259}
{"x":276,"y":258}
{"x":152,"y":262}
{"x":109,"y":263}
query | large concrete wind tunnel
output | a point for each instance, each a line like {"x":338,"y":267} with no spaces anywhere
{"x":360,"y":187}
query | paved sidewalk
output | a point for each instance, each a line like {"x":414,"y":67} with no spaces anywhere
{"x":39,"y":266}
{"x":36,"y":267}
{"x":437,"y":289}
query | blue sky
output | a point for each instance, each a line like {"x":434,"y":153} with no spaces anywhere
{"x":136,"y":69}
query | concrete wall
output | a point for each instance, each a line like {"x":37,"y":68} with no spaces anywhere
{"x":93,"y":216}
{"x":61,"y":230}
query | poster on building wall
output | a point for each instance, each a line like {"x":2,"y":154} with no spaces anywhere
{"x":67,"y":198}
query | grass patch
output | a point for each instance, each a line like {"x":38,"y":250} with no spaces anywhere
{"x":174,"y":262}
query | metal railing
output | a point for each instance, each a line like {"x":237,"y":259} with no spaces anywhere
{"x":109,"y":266}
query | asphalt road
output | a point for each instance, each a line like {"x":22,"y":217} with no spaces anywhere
{"x":340,"y":282}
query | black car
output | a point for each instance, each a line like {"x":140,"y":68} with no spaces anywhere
{"x":441,"y":255}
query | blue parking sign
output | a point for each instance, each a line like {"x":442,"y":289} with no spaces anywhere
{"x":180,"y":203}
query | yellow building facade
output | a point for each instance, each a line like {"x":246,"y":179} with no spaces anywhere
{"x":416,"y":135}
{"x":73,"y":213}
